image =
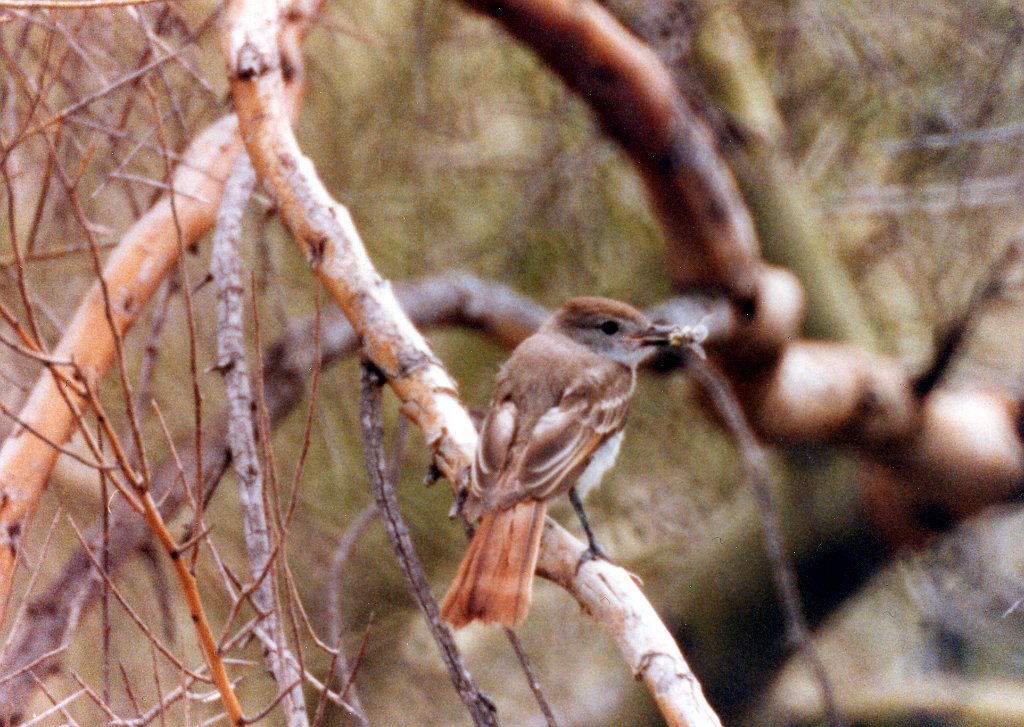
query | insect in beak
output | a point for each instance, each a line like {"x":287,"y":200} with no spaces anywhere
{"x":676,"y":336}
{"x":660,"y":335}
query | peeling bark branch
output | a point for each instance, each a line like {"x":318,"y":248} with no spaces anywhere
{"x":611,"y":596}
{"x":325,"y":233}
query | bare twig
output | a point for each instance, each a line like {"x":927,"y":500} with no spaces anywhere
{"x":783,"y":573}
{"x":989,"y":287}
{"x":151,"y":350}
{"x":335,"y":582}
{"x":481,"y":709}
{"x":531,"y":677}
{"x":339,"y":563}
{"x":225,"y":267}
{"x":135,"y":270}
{"x":190,"y":319}
{"x":188,"y":582}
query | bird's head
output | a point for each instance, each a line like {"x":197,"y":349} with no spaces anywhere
{"x":612,"y":329}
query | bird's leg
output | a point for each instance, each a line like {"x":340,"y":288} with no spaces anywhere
{"x":461,"y":489}
{"x":593,"y":550}
{"x":460,"y":502}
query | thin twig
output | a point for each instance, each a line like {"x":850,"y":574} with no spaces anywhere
{"x":150,"y":352}
{"x":186,"y":290}
{"x":339,"y":563}
{"x":526,"y":665}
{"x":783,"y":573}
{"x":481,"y":709}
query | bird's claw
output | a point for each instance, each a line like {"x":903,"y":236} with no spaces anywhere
{"x":459,"y":504}
{"x":593,"y":552}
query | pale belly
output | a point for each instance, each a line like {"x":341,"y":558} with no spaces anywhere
{"x":600,"y":462}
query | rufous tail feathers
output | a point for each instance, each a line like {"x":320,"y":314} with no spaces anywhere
{"x":495,"y":579}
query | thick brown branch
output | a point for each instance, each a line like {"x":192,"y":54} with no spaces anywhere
{"x":635,"y":99}
{"x":793,"y":391}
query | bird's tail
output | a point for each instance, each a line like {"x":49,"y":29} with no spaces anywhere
{"x":495,"y":579}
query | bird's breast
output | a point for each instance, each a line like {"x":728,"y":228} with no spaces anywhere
{"x":600,"y":461}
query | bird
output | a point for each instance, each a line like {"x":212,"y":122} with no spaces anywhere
{"x":554,"y":426}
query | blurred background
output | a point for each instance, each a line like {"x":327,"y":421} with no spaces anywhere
{"x":886,"y":132}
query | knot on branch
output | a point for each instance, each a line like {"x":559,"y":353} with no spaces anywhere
{"x":224,"y":364}
{"x":251,"y":63}
{"x":411,"y":361}
{"x":289,"y":67}
{"x":645,"y":663}
{"x":316,"y":250}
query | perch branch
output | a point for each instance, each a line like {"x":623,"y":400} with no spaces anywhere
{"x":325,"y":233}
{"x":612,"y":597}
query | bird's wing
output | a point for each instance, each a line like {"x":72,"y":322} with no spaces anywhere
{"x":492,"y":452}
{"x":566,"y":435}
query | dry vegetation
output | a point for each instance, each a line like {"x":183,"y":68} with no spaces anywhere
{"x":875,"y":145}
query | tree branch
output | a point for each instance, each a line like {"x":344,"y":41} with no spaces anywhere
{"x":324,"y":231}
{"x":480,"y":708}
{"x":143,"y":257}
{"x":611,"y":596}
{"x":713,"y":241}
{"x":225,"y":267}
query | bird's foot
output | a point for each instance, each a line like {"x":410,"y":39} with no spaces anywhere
{"x":593,"y":552}
{"x":460,"y":502}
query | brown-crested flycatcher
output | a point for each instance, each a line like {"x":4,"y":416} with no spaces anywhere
{"x":554,"y":426}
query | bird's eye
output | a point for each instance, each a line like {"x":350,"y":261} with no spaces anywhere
{"x":610,"y":328}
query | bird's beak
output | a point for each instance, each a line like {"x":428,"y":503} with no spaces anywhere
{"x":662,"y":335}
